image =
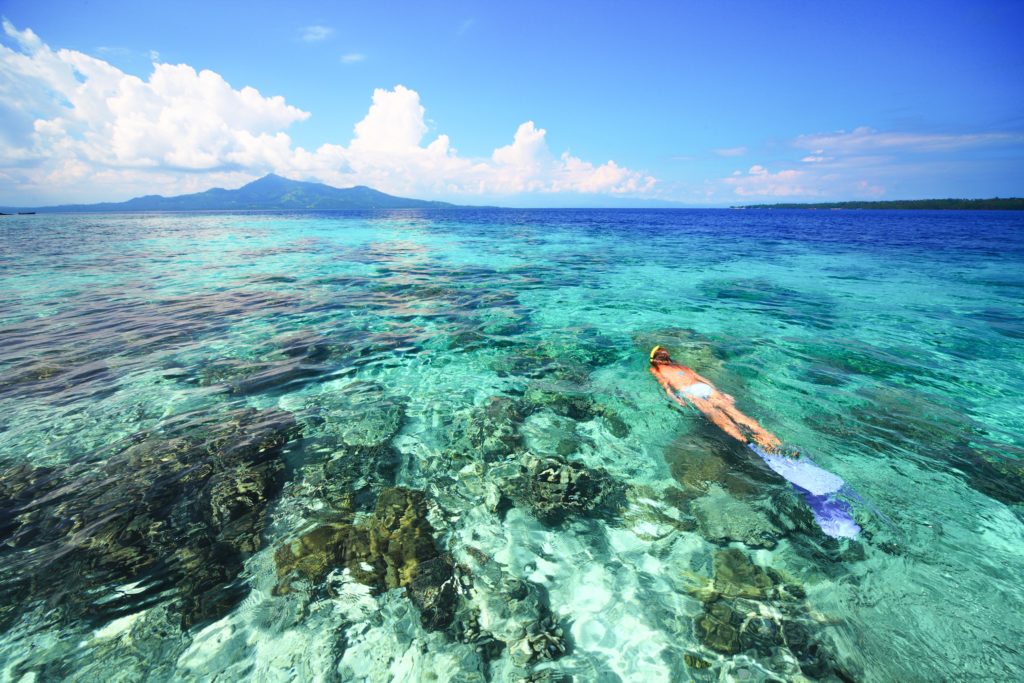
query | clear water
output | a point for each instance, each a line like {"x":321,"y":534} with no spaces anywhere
{"x":144,"y":510}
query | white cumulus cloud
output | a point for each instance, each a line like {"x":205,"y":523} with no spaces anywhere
{"x":759,"y":181}
{"x":79,"y":129}
{"x":388,"y":152}
{"x":863,"y":163}
{"x":810,"y":182}
{"x":73,"y":114}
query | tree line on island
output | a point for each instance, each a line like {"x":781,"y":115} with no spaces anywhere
{"x":993,"y":204}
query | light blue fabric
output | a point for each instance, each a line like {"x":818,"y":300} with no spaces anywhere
{"x":833,"y":515}
{"x":820,"y":488}
{"x":801,"y":471}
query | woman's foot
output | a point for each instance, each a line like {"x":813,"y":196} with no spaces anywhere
{"x":777,"y":448}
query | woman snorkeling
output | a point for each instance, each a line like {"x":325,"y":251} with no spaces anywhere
{"x":824,"y":492}
{"x":686,"y":387}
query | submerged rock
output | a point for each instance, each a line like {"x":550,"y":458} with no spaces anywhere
{"x":700,"y":460}
{"x":393,"y":548}
{"x":313,"y":555}
{"x":170,"y":515}
{"x":359,"y":474}
{"x":652,"y":514}
{"x":722,"y":519}
{"x":562,"y":399}
{"x":553,"y":489}
{"x":547,"y":434}
{"x":467,"y":629}
{"x":221,"y":371}
{"x":544,"y":641}
{"x":496,"y":430}
{"x":61,"y":380}
{"x":852,"y":358}
{"x":276,"y":376}
{"x":349,"y":454}
{"x":737,"y":577}
{"x":729,"y":493}
{"x":781,"y":303}
{"x":584,"y":346}
{"x":292,"y":360}
{"x":309,"y":345}
{"x":917,"y":422}
{"x":999,"y":467}
{"x":571,"y":401}
{"x":752,"y":609}
{"x":719,"y":628}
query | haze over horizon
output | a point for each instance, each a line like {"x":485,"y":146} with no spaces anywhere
{"x":527,"y":106}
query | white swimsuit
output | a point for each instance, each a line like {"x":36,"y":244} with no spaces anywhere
{"x":696,"y":390}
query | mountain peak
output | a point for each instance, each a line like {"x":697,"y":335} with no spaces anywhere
{"x":269,"y":179}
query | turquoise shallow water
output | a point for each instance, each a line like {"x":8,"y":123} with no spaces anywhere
{"x":425,"y":446}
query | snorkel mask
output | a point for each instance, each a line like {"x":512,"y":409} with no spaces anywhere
{"x":655,"y":352}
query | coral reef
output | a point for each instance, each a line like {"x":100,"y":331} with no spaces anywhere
{"x":547,"y":434}
{"x":516,"y":613}
{"x":568,"y":357}
{"x":554,"y":490}
{"x":496,"y":430}
{"x":168,"y":514}
{"x":489,"y":432}
{"x":393,"y":548}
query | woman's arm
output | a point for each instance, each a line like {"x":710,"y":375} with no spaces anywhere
{"x":666,"y":386}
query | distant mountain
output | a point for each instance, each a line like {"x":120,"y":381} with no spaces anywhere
{"x":269,"y":193}
{"x":994,"y":204}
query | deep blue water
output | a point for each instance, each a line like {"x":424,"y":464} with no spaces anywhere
{"x":413,"y":445}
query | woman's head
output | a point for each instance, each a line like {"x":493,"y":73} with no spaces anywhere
{"x":659,"y":355}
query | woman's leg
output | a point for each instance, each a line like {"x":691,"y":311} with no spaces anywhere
{"x":719,"y":417}
{"x":748,"y":424}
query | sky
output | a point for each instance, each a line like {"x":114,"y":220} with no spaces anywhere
{"x":592,"y":103}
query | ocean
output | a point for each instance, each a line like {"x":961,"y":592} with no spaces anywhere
{"x":425,"y":445}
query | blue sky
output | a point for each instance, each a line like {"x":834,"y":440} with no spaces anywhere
{"x":531,"y":104}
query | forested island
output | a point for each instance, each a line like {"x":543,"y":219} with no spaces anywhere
{"x":269,"y":193}
{"x":994,"y":204}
